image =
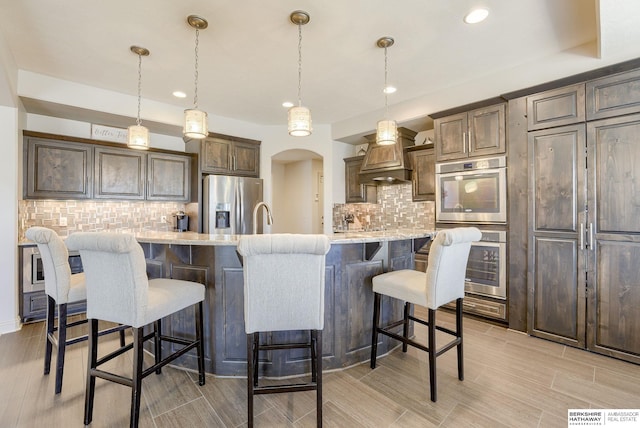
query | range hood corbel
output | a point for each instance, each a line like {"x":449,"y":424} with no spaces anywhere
{"x":387,"y":164}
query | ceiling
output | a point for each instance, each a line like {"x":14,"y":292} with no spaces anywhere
{"x":248,"y":54}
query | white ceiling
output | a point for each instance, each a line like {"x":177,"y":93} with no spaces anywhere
{"x":248,"y":55}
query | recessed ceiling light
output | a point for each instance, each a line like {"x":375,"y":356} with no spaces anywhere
{"x":287,"y":104}
{"x":476,"y":15}
{"x":179,"y":94}
{"x":389,"y":89}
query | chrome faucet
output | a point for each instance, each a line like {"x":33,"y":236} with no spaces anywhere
{"x":255,"y":215}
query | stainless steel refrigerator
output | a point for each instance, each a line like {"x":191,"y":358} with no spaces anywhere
{"x":228,"y":204}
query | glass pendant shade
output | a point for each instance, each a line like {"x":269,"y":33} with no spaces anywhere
{"x":138,"y":137}
{"x":386,"y":132}
{"x":299,"y":121}
{"x":195,"y":124}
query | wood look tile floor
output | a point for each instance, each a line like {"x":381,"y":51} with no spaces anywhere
{"x":511,"y":380}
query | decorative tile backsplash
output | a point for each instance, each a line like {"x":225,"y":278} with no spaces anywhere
{"x":90,"y":216}
{"x":394,"y":210}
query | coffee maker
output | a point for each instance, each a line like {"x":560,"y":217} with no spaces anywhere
{"x":180,"y":222}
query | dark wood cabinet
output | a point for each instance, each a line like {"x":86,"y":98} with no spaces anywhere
{"x":612,"y":237}
{"x":557,"y":107}
{"x":478,"y":132}
{"x":227,"y":155}
{"x":584,"y":237}
{"x":119,"y":174}
{"x":613,"y":95}
{"x":57,"y":169}
{"x":557,"y":271}
{"x":168,"y":177}
{"x":355,"y":191}
{"x":423,"y":178}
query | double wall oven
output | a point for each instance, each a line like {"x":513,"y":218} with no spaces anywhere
{"x":473,"y":193}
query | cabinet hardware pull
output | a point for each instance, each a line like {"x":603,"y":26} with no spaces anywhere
{"x":469,"y":142}
{"x":591,"y":236}
{"x":464,"y":142}
{"x":582,"y":236}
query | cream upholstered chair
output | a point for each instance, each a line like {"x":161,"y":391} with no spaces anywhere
{"x":442,"y":283}
{"x":283,"y":290}
{"x":62,"y":288}
{"x":118,"y":291}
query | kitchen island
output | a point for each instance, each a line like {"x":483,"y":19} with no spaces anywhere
{"x":354,"y":258}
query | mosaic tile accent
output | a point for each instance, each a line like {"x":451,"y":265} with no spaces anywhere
{"x":394,"y":210}
{"x":95,"y":216}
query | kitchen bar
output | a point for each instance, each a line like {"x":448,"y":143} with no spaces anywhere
{"x":354,"y":258}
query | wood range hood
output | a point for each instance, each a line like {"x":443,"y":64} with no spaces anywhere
{"x":387,"y":164}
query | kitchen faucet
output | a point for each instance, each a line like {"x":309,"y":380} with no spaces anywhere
{"x":255,"y":215}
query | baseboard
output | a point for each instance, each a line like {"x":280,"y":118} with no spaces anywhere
{"x":10,"y":326}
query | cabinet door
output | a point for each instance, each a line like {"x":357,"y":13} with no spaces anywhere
{"x":557,"y":271}
{"x":246,"y":159}
{"x":557,"y":107}
{"x":216,"y":155}
{"x":57,"y":169}
{"x":355,"y":191}
{"x":424,"y":175}
{"x":487,"y":131}
{"x":613,"y":95}
{"x":451,"y":137}
{"x":613,"y":299}
{"x":119,"y":174}
{"x":168,"y":177}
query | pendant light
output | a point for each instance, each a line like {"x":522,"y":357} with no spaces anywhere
{"x":138,"y":135}
{"x":299,"y":117}
{"x":195,"y":121}
{"x":387,"y":129}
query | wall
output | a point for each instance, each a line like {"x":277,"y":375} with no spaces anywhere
{"x":394,"y":210}
{"x":11,"y":119}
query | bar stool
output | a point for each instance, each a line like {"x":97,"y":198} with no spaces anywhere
{"x":118,"y":291}
{"x":283,"y":290}
{"x":62,"y":288}
{"x":442,"y":283}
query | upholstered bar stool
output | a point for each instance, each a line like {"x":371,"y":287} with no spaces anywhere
{"x":283,"y":290}
{"x":442,"y":283}
{"x":118,"y":291}
{"x":62,"y":288}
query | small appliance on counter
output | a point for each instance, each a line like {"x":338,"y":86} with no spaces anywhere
{"x":180,"y":222}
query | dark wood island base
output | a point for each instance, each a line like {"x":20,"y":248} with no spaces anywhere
{"x":350,"y":265}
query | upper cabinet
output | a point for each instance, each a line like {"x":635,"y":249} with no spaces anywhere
{"x":57,"y":169}
{"x":423,"y":176}
{"x":474,"y":133}
{"x":168,"y":177}
{"x":119,"y":174}
{"x":613,"y":95}
{"x":224,"y":155}
{"x":557,"y":107}
{"x":355,"y":191}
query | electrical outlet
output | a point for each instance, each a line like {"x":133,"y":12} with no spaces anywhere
{"x":163,"y":218}
{"x":63,"y":221}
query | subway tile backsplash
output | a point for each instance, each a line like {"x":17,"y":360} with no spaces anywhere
{"x":394,"y":210}
{"x":92,"y":216}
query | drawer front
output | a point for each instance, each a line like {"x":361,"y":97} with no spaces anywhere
{"x":482,"y":307}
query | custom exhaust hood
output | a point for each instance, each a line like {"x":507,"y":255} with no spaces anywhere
{"x":387,"y":164}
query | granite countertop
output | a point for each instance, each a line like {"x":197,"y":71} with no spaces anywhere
{"x":193,"y":238}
